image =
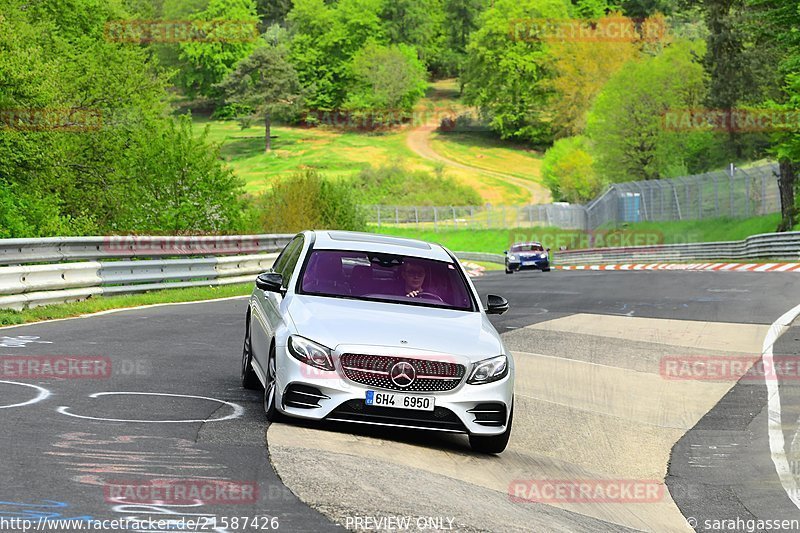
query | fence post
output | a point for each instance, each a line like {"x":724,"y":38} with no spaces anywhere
{"x":716,"y":196}
{"x":416,"y":217}
{"x":746,"y":194}
{"x":455,"y":220}
{"x":730,"y":190}
{"x":396,"y":216}
{"x":435,"y":219}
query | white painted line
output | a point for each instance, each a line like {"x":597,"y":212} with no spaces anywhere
{"x":777,"y":445}
{"x":110,"y":311}
{"x":238,"y":410}
{"x":43,"y":394}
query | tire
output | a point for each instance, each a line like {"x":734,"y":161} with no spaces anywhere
{"x":508,"y":270}
{"x":546,"y":269}
{"x":270,"y":390}
{"x":495,"y":443}
{"x":249,"y":378}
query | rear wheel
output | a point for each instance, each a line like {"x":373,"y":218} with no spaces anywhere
{"x":249,"y":377}
{"x":270,"y":389}
{"x":494,"y":443}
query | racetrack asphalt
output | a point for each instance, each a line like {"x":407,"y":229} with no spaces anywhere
{"x":589,"y":345}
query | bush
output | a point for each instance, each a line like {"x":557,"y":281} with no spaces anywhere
{"x":307,"y":201}
{"x":568,"y":171}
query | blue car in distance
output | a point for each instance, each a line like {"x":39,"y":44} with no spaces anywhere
{"x":527,"y":256}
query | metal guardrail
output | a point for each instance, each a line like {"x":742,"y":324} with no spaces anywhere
{"x":55,"y":249}
{"x":777,"y":246}
{"x":117,"y":265}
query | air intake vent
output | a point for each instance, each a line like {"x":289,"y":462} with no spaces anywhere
{"x":489,"y":414}
{"x":303,"y":397}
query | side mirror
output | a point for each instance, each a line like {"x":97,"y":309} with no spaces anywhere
{"x":496,"y":305}
{"x":548,"y":250}
{"x":505,"y":252}
{"x":270,"y":282}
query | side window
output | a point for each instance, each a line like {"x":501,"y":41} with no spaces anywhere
{"x":281,"y":260}
{"x":289,"y":257}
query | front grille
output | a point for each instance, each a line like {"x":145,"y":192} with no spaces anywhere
{"x":489,"y":414}
{"x":373,"y":370}
{"x":358,"y":411}
{"x":303,"y":397}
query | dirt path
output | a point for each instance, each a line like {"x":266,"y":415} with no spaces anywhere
{"x":419,"y":138}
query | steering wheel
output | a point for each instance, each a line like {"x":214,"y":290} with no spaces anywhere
{"x":430,"y":296}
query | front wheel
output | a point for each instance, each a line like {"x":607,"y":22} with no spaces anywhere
{"x":494,"y":443}
{"x":508,"y":270}
{"x":249,"y":377}
{"x":270,"y":388}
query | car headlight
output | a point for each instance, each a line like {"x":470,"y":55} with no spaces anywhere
{"x":512,"y":258}
{"x":310,"y":352}
{"x":489,"y":370}
{"x":543,"y":256}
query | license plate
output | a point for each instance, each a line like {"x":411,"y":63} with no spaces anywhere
{"x":528,"y":263}
{"x":400,"y":401}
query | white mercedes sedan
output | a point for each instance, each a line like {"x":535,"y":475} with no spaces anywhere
{"x":371,"y":329}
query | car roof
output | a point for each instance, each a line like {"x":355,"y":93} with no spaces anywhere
{"x":532,"y":243}
{"x":373,"y":242}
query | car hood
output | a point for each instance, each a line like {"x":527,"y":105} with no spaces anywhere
{"x":346,"y":325}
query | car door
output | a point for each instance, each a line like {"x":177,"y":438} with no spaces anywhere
{"x":266,"y":306}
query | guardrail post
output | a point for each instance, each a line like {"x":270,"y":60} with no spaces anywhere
{"x":435,"y":219}
{"x":455,"y":220}
{"x":416,"y":217}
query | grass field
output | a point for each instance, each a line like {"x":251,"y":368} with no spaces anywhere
{"x":483,"y":150}
{"x":105,"y":303}
{"x":497,"y":240}
{"x":338,"y":153}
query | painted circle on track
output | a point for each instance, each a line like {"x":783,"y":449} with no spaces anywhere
{"x":43,"y":394}
{"x":238,"y":410}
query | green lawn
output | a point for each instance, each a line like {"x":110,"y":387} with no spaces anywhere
{"x":484,"y":150}
{"x":497,"y":240}
{"x":104,"y":303}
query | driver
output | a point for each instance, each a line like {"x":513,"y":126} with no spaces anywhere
{"x":413,"y":274}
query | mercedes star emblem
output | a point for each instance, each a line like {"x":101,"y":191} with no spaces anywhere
{"x":402,"y":374}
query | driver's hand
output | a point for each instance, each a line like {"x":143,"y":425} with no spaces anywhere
{"x":413,"y":294}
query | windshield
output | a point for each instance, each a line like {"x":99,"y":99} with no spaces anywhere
{"x":386,"y":277}
{"x":527,"y":248}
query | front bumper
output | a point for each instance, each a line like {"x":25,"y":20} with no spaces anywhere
{"x":529,"y":264}
{"x":314,"y":394}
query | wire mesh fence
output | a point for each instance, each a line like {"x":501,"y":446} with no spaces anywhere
{"x":738,"y":193}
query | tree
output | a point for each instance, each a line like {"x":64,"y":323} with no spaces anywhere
{"x":386,"y":78}
{"x":180,"y":183}
{"x":625,"y":124}
{"x":417,"y":23}
{"x":775,"y":24}
{"x":506,"y":74}
{"x":207,"y":62}
{"x":581,"y":71}
{"x":266,"y":82}
{"x":325,"y":37}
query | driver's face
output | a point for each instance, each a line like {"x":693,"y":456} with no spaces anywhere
{"x":414,"y":276}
